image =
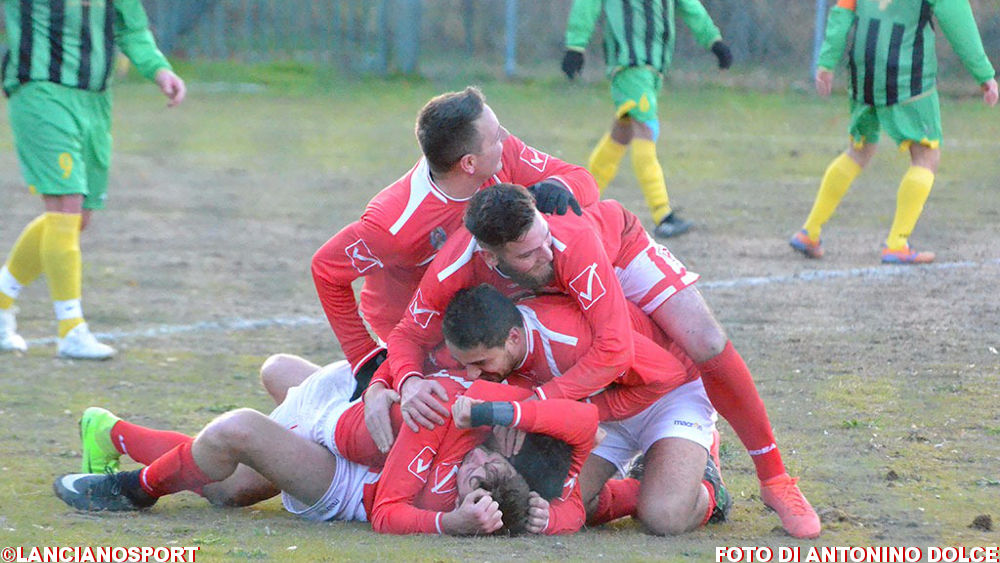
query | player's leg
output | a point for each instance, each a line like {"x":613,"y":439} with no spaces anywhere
{"x":245,"y":487}
{"x":22,"y":267}
{"x":917,"y":126}
{"x":609,"y":151}
{"x":281,"y":372}
{"x":607,"y":499}
{"x":672,"y":498}
{"x":837,"y":179}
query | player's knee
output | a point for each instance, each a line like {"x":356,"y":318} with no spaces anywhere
{"x":662,"y":518}
{"x":272,"y":369}
{"x":231,"y":431}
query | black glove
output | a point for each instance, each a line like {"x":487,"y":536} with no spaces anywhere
{"x":572,"y":63}
{"x":553,"y":197}
{"x":366,"y":371}
{"x":722,"y":52}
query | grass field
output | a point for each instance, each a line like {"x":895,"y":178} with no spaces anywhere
{"x":882,"y":383}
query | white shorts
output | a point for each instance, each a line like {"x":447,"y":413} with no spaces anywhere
{"x":312,"y":408}
{"x":684,"y":413}
{"x":653,"y":276}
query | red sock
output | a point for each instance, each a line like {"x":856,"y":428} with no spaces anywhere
{"x":711,"y":502}
{"x":730,"y":387}
{"x":143,"y":444}
{"x":618,"y":498}
{"x":173,"y":472}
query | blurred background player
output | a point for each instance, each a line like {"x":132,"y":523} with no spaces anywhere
{"x":893,"y":69}
{"x":638,"y":45}
{"x":56,"y":73}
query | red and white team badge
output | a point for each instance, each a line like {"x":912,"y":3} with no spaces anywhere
{"x":534,"y":158}
{"x":445,"y":478}
{"x":588,"y":286}
{"x":362,"y":258}
{"x":421,"y":312}
{"x":421,"y":465}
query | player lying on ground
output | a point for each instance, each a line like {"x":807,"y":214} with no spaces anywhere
{"x":464,"y":149}
{"x":601,"y":260}
{"x":531,"y":343}
{"x":243,"y":457}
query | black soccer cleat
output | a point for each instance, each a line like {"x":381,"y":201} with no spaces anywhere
{"x":108,"y":492}
{"x":671,"y":226}
{"x":723,"y":502}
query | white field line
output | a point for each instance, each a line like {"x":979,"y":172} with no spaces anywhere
{"x":237,"y":325}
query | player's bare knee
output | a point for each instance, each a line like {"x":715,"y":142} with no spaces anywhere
{"x":662,"y":518}
{"x":231,"y":431}
{"x":271,"y":369}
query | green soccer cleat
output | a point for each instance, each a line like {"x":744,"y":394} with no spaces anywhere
{"x":99,"y":453}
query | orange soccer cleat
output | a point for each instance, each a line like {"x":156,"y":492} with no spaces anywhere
{"x":798,"y":517}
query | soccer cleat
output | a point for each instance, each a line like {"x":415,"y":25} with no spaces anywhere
{"x":671,"y":226}
{"x":111,"y":491}
{"x":905,"y":255}
{"x":810,"y":248}
{"x":782,"y":495}
{"x":723,"y":502}
{"x":81,"y":344}
{"x":99,"y":453}
{"x":10,"y":340}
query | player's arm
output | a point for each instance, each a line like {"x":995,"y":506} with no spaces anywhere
{"x":527,"y":166}
{"x":838,"y":26}
{"x":355,"y":251}
{"x":959,"y":27}
{"x":580,"y":24}
{"x":587,"y":275}
{"x":696,"y":17}
{"x":132,"y":35}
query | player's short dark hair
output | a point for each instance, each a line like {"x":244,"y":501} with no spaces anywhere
{"x":511,"y":493}
{"x":500,"y":214}
{"x":544,"y":463}
{"x":479,"y":315}
{"x":445,"y":127}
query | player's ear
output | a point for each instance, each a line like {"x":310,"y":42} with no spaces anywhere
{"x":467,"y":163}
{"x":491,"y":258}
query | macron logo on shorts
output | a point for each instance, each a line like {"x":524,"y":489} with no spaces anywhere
{"x":534,"y":158}
{"x":420,"y":311}
{"x":588,"y":286}
{"x":421,"y":464}
{"x":362,"y":257}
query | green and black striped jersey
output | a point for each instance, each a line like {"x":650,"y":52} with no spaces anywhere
{"x":72,"y":42}
{"x":638,"y":32}
{"x":892,"y":56}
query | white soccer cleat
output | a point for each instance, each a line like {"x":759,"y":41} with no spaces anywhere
{"x":10,"y":340}
{"x":80,"y":344}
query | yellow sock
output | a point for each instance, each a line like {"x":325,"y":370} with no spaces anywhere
{"x":649,"y":173}
{"x":24,"y":263}
{"x":603,"y":163}
{"x":60,"y":251}
{"x":836,"y":181}
{"x":910,"y":199}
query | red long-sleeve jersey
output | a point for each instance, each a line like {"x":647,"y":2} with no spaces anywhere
{"x":585,"y":253}
{"x":399,"y":234}
{"x":418,"y":483}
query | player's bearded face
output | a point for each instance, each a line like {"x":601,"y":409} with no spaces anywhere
{"x":491,"y":364}
{"x":528,"y":261}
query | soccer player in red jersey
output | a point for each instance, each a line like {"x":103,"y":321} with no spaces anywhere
{"x":402,"y":228}
{"x":600,"y":261}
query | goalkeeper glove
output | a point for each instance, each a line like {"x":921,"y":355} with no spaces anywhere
{"x":552,"y":197}
{"x":722,"y":52}
{"x":572,"y":63}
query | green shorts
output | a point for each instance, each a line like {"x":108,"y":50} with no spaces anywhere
{"x":917,"y":120}
{"x":63,"y":140}
{"x":634,"y":90}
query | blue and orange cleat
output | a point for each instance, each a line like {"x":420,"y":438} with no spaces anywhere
{"x":807,"y":246}
{"x":906,"y":255}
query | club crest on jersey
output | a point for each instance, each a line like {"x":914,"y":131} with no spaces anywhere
{"x":444,"y":478}
{"x":534,"y":158}
{"x":421,"y":312}
{"x":588,"y":286}
{"x":421,"y":465}
{"x":362,"y":258}
{"x":438,"y":238}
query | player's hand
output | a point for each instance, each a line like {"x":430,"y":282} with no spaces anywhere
{"x":538,"y":513}
{"x":366,"y":371}
{"x":551,"y":196}
{"x":990,"y":92}
{"x":461,"y":411}
{"x":378,"y":401}
{"x":477,"y":514}
{"x":420,"y":403}
{"x":171,"y":85}
{"x":722,"y":52}
{"x":509,"y":440}
{"x":572,"y":63}
{"x":824,"y":82}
